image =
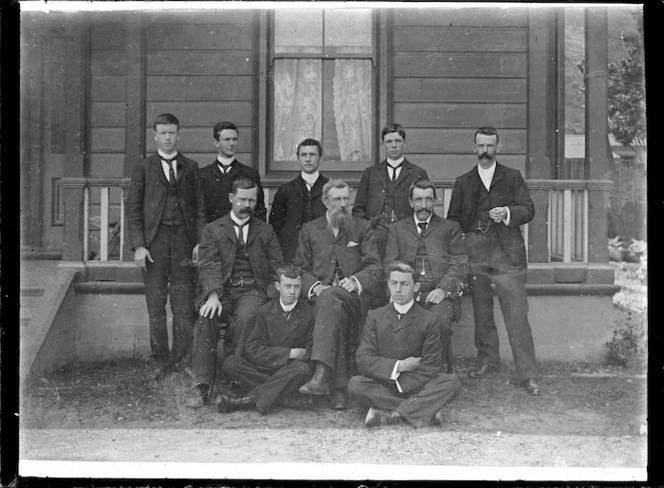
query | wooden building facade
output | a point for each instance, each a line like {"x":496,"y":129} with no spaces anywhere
{"x":92,"y":83}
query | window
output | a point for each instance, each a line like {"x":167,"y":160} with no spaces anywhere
{"x":323,"y":84}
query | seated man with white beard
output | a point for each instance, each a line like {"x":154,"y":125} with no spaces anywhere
{"x":341,"y":270}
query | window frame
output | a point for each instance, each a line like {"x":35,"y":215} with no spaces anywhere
{"x":275,"y":167}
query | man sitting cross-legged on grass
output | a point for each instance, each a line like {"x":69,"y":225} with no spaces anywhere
{"x":399,"y":358}
{"x":275,"y":362}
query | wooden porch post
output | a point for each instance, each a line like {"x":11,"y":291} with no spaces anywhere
{"x":542,"y":107}
{"x":135,"y":102}
{"x":596,"y":157}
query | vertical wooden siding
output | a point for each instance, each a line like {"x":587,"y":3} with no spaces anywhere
{"x":202,"y":67}
{"x":456,"y":70}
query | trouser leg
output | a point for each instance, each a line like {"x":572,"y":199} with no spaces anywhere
{"x":246,"y":303}
{"x":371,"y":393}
{"x":420,"y":406}
{"x":182,"y":277}
{"x":281,"y":384}
{"x":155,"y":278}
{"x":511,"y":291}
{"x":239,"y":369}
{"x":486,"y":334}
{"x":204,"y":356}
{"x":335,"y":311}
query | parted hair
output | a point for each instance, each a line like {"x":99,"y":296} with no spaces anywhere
{"x":333,"y":183}
{"x":166,"y":119}
{"x":389,"y":128}
{"x":289,"y":271}
{"x":243,"y":184}
{"x":310,"y":142}
{"x":487,"y":131}
{"x":219,"y":126}
{"x":422,"y":185}
{"x":401,"y":267}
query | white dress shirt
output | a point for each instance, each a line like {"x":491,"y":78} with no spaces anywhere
{"x":164,"y":164}
{"x":428,"y":221}
{"x":310,"y":179}
{"x":245,"y":228}
{"x":224,"y":163}
{"x":392,"y":171}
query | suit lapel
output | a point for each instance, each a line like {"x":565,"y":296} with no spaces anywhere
{"x":253,"y":222}
{"x":381,"y":173}
{"x":158,"y":168}
{"x":406,"y":169}
{"x":235,"y":169}
{"x":229,"y":229}
{"x":497,"y":174}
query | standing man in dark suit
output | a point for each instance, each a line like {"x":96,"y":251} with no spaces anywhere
{"x":299,"y":201}
{"x":341,"y":269}
{"x":165,"y":217}
{"x":276,"y":358}
{"x":399,"y":359}
{"x":238,"y":258}
{"x":217,"y":178}
{"x":435,"y":248}
{"x":382,"y":196}
{"x":490,"y":202}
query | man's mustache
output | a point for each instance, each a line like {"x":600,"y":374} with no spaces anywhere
{"x":484,"y":155}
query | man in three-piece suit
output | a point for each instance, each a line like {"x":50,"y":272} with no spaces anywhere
{"x":165,"y":218}
{"x":382,"y":196}
{"x":399,"y":359}
{"x":238,"y":258}
{"x":217,"y":178}
{"x":341,"y":270}
{"x":434,"y":247}
{"x":275,"y":362}
{"x":299,"y":201}
{"x":490,"y":202}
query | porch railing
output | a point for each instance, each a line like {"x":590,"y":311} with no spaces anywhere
{"x":95,"y":221}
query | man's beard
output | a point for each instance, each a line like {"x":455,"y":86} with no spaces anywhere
{"x":340,"y":218}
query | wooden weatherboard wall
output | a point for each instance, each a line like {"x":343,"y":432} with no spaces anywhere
{"x":455,"y":70}
{"x":202,"y":68}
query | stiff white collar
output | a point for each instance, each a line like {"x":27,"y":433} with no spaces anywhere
{"x":403,"y":309}
{"x":310,"y":178}
{"x":225,"y":161}
{"x":287,"y":308}
{"x":394,"y":163}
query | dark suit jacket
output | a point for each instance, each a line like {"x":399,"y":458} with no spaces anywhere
{"x":355,"y":249}
{"x":508,"y":189}
{"x":147,"y":197}
{"x":286,"y":212}
{"x":443,"y":240}
{"x":386,"y":339}
{"x":216,"y":187}
{"x":272,"y":338}
{"x":218,"y":249}
{"x":370,"y":197}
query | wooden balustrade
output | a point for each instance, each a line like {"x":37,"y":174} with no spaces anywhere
{"x":566,"y":223}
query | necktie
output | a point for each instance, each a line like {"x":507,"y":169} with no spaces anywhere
{"x":286,"y":315}
{"x":171,"y":172}
{"x":225,"y":169}
{"x":394,"y":171}
{"x":422,"y":226}
{"x":240,"y":231}
{"x":399,"y":315}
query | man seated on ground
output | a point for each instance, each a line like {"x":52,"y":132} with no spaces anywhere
{"x":399,"y":359}
{"x":435,"y":246}
{"x":341,"y":270}
{"x":238,"y":258}
{"x":275,"y":362}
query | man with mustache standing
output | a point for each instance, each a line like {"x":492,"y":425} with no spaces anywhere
{"x":299,"y":201}
{"x":436,"y":249}
{"x":341,"y":270}
{"x":490,"y":202}
{"x":238,"y":257}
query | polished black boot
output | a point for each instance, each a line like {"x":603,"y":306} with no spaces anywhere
{"x":319,"y":383}
{"x":227,"y":404}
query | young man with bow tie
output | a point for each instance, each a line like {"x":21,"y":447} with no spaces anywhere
{"x":165,"y":217}
{"x":382,"y":197}
{"x":217,"y":178}
{"x":399,"y":359}
{"x":275,"y":362}
{"x":238,"y":258}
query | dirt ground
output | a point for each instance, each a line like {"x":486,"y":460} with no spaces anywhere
{"x":587,"y":416}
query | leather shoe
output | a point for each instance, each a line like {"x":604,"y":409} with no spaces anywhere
{"x":439,"y":418}
{"x":483,"y":370}
{"x":200,"y":398}
{"x":531,"y":386}
{"x":318,"y":384}
{"x":227,"y":404}
{"x":377,"y":417}
{"x":338,"y":399}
